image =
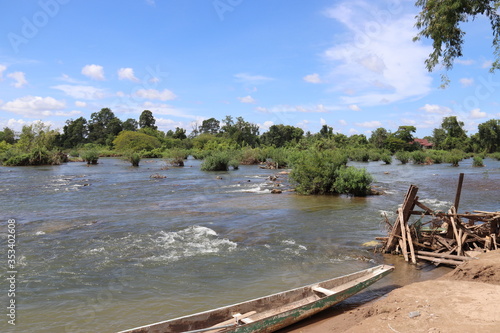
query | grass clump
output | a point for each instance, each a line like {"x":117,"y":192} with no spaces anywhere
{"x":477,"y":161}
{"x":217,"y":161}
{"x":352,"y":181}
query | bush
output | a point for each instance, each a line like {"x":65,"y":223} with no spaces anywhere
{"x":91,"y":156}
{"x":454,"y":157}
{"x":477,"y":161}
{"x":135,"y":141}
{"x":176,"y":157}
{"x":374,"y":155}
{"x":352,"y":181}
{"x":403,"y":156}
{"x":155,"y":153}
{"x":386,"y":158}
{"x":495,"y":156}
{"x":314,"y":171}
{"x":235,"y":164}
{"x":218,"y":161}
{"x":134,"y":158}
{"x":359,"y":155}
{"x":418,"y":157}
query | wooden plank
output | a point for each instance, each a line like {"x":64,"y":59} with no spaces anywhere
{"x":443,"y":255}
{"x":440,"y":260}
{"x":428,"y":211}
{"x":410,"y":243}
{"x":323,"y":291}
{"x":403,"y":234}
{"x":459,"y":191}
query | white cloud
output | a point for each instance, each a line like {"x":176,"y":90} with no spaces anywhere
{"x":81,"y":92}
{"x":466,"y":62}
{"x":266,"y":125}
{"x":322,"y":121}
{"x":94,"y":72}
{"x":313,"y":78}
{"x":342,"y":122}
{"x":19,"y":78}
{"x":379,"y":62}
{"x":466,"y":82}
{"x":437,"y":109}
{"x":253,"y":79}
{"x":127,"y":74}
{"x":35,"y":106}
{"x":165,"y":95}
{"x":69,"y":79}
{"x":247,"y":99}
{"x":477,"y":113}
{"x":261,"y":109}
{"x":353,"y":131}
{"x":370,"y":124}
{"x":80,"y":104}
{"x":354,"y":107}
{"x":2,"y":69}
{"x":165,"y":109}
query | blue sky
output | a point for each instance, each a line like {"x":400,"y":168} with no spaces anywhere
{"x":349,"y":64}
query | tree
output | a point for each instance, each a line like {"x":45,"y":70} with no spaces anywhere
{"x":180,"y":133}
{"x":7,"y":135}
{"x":129,"y":141}
{"x":489,"y":135}
{"x":280,"y":135}
{"x":438,"y":137}
{"x":147,"y":120}
{"x":75,"y":133}
{"x":378,"y":137}
{"x":241,"y":131}
{"x":130,"y":125}
{"x":456,"y":137}
{"x":440,"y":21}
{"x":326,"y":131}
{"x":404,"y":133}
{"x":210,"y":126}
{"x":103,"y":126}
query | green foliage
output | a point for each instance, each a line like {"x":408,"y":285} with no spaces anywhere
{"x":176,"y":157}
{"x":454,"y":157}
{"x":437,"y":156}
{"x":489,"y":135}
{"x":7,"y":135}
{"x":359,"y":155}
{"x":386,"y":158}
{"x":134,"y":158}
{"x":91,"y":156}
{"x":242,"y":132}
{"x":135,"y":141}
{"x":402,"y":156}
{"x":314,"y":172}
{"x":282,"y":135}
{"x":418,"y":157}
{"x":146,"y":119}
{"x":477,"y":161}
{"x":251,"y":156}
{"x":442,"y":21}
{"x":378,"y":137}
{"x":353,"y":181}
{"x":103,"y":127}
{"x":217,"y":161}
{"x":153,"y":153}
{"x":495,"y":156}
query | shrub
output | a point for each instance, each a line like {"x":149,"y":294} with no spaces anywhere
{"x":218,"y":161}
{"x":154,"y":153}
{"x":374,"y":155}
{"x":359,"y":155}
{"x":91,"y":156}
{"x":403,"y":156}
{"x":454,"y":157}
{"x":386,"y":158}
{"x":134,"y":158}
{"x":235,"y":164}
{"x":477,"y":161}
{"x":352,"y":181}
{"x":418,"y":157}
{"x":176,"y":157}
{"x":135,"y":141}
{"x":74,"y":153}
{"x":495,"y":156}
{"x":314,"y":171}
{"x":251,"y":156}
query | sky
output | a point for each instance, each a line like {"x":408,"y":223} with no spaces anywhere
{"x":351,"y":65}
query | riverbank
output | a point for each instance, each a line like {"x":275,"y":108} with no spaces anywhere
{"x":463,"y":300}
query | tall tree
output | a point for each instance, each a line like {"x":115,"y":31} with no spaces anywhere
{"x":103,"y":126}
{"x":75,"y":133}
{"x":378,"y":137}
{"x":440,"y":21}
{"x":146,"y":119}
{"x":280,"y":135}
{"x":489,"y":135}
{"x":241,"y":131}
{"x":130,"y":125}
{"x":210,"y":126}
{"x":7,"y":135}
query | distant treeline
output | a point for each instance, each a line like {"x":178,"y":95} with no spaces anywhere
{"x":318,"y":160}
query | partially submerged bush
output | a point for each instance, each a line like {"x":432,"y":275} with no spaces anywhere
{"x":352,"y":181}
{"x":418,"y":157}
{"x":90,"y":156}
{"x":386,"y":158}
{"x":176,"y":157}
{"x":134,"y":158}
{"x":218,"y":161}
{"x":402,"y":156}
{"x":477,"y":161}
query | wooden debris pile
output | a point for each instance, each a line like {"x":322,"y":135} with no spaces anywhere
{"x":445,"y":238}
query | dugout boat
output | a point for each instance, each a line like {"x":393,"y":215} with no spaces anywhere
{"x":273,"y":312}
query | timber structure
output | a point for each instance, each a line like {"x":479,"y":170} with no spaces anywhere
{"x":448,"y":238}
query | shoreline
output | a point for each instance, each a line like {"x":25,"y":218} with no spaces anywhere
{"x":462,"y":300}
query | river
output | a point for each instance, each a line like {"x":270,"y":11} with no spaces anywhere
{"x":106,"y":247}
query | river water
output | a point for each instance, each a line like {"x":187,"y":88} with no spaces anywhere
{"x":106,"y":248}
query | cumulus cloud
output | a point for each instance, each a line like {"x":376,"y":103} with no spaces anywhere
{"x":436,"y":109}
{"x":127,"y":74}
{"x":165,"y":109}
{"x":165,"y":95}
{"x":466,"y":82}
{"x":354,"y":107}
{"x":313,"y":78}
{"x":477,"y":113}
{"x":35,"y":106}
{"x":378,"y":62}
{"x":370,"y":124}
{"x":266,"y":125}
{"x":94,"y":72}
{"x":247,"y":99}
{"x":81,"y":92}
{"x":80,"y":104}
{"x":19,"y":78}
{"x":342,"y":122}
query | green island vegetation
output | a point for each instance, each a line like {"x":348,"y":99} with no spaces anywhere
{"x":318,"y":161}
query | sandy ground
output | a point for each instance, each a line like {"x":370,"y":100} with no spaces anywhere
{"x":464,"y":300}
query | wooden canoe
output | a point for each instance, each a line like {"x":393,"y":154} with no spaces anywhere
{"x":273,"y":312}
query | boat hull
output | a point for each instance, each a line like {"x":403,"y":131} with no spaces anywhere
{"x":273,"y":312}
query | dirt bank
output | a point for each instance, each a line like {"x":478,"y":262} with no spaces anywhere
{"x":464,"y":300}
